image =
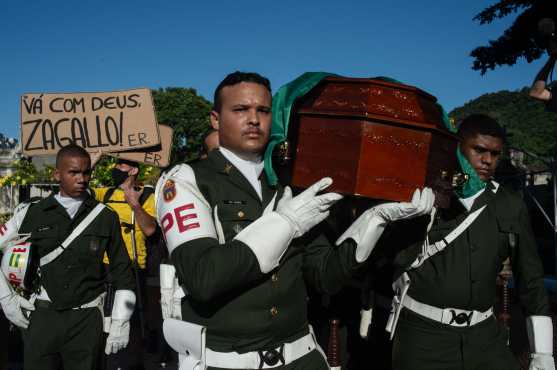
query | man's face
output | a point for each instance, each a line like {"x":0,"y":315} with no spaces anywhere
{"x":244,"y":120}
{"x":73,"y":174}
{"x":483,"y":152}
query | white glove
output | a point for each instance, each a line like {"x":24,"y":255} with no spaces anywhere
{"x":421,"y":204}
{"x":307,"y":209}
{"x":122,"y":310}
{"x":167,"y":274}
{"x":118,"y":336}
{"x":368,"y":228}
{"x":540,"y":336}
{"x":12,"y":304}
{"x":365,"y":322}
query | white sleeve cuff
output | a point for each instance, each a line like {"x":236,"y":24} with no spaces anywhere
{"x":167,"y":274}
{"x":540,"y":334}
{"x":268,"y":237}
{"x":124,"y":304}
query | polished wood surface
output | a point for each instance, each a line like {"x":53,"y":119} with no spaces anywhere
{"x":375,"y":139}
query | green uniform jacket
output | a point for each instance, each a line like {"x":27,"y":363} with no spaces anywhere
{"x":242,"y":308}
{"x":77,"y":276}
{"x":463,"y":275}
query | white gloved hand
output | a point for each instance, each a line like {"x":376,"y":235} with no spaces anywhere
{"x":118,"y":336}
{"x":12,"y":306}
{"x":307,"y":209}
{"x":368,"y":228}
{"x":541,"y":361}
{"x":540,"y":336}
{"x":421,"y":204}
{"x":119,"y":332}
{"x":365,"y":322}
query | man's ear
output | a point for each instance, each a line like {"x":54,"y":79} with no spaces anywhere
{"x":56,"y":175}
{"x":215,"y":119}
{"x":134,"y":171}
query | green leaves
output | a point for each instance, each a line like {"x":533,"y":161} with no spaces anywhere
{"x":188,"y":114}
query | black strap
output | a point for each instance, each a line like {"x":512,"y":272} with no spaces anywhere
{"x":147,"y":191}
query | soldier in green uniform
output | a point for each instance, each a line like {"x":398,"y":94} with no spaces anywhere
{"x":244,"y":250}
{"x":446,"y":289}
{"x":69,"y":233}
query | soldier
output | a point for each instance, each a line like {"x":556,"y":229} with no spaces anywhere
{"x":243,"y":249}
{"x":69,"y":233}
{"x":446,"y":289}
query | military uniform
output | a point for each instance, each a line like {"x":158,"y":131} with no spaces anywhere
{"x":66,"y":328}
{"x":462,"y":276}
{"x":244,"y":309}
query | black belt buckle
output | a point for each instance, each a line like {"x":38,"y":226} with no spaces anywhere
{"x":271,"y":357}
{"x":461,"y":318}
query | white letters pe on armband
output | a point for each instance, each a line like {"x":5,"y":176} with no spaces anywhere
{"x":182,"y":211}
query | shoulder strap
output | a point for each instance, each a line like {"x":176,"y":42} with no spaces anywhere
{"x":429,"y":250}
{"x":108,"y":194}
{"x":74,"y":234}
{"x":147,"y":191}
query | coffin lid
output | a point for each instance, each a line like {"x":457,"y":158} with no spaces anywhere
{"x":374,"y":99}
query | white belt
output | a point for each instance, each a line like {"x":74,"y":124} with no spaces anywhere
{"x":288,"y":352}
{"x":448,"y":316}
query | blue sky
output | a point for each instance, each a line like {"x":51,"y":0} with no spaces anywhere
{"x":68,"y":46}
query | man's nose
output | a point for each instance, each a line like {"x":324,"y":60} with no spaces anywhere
{"x":487,"y":158}
{"x":254,"y":118}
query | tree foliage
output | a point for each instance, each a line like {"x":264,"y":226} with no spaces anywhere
{"x":25,"y":173}
{"x":529,"y":126}
{"x":521,"y":39}
{"x":188,"y":114}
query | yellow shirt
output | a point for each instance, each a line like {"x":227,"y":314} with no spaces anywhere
{"x":118,"y":203}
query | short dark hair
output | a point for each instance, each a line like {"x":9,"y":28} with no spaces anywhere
{"x":128,"y":162}
{"x":235,"y":78}
{"x":71,"y":150}
{"x":480,"y":124}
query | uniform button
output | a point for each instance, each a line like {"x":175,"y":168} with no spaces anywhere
{"x":66,"y":286}
{"x":241,"y":214}
{"x":274,"y":278}
{"x":274,"y":311}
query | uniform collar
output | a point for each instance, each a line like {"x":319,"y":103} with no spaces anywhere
{"x":50,"y":203}
{"x":251,"y":170}
{"x":225,"y":166}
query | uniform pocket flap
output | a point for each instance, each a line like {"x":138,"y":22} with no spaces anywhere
{"x":236,"y":212}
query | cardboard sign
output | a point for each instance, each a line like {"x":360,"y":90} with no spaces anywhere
{"x":106,"y":121}
{"x":158,"y":156}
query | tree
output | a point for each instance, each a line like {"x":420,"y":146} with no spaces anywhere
{"x":521,"y":39}
{"x":188,"y":114}
{"x":529,"y":126}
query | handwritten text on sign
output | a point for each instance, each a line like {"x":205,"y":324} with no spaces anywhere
{"x":107,"y":121}
{"x":158,"y":156}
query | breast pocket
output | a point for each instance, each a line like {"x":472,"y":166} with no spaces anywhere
{"x":91,"y":245}
{"x":45,"y":239}
{"x":233,"y":218}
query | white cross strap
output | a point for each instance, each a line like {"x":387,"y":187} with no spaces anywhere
{"x":430,"y":250}
{"x":74,"y":234}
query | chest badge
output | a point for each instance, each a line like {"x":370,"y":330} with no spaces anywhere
{"x":227,"y":168}
{"x":169,"y":191}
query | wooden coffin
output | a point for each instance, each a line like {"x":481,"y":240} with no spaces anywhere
{"x":376,"y":139}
